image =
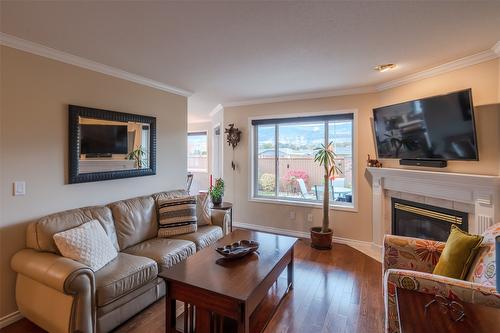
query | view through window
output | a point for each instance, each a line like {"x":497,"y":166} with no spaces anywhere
{"x":197,"y":152}
{"x":284,"y":166}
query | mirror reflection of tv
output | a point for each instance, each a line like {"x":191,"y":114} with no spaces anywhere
{"x":434,"y":128}
{"x":103,"y":139}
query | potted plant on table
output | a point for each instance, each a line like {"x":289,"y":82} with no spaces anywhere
{"x":321,"y":237}
{"x":217,"y":191}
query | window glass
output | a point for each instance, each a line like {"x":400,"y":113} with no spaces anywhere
{"x":298,"y":174}
{"x":266,"y":161}
{"x":197,"y":152}
{"x":340,"y":134}
{"x":291,"y":173}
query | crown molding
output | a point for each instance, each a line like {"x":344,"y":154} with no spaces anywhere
{"x":474,"y":59}
{"x":44,"y":51}
{"x":496,"y":48}
{"x":215,"y":110}
{"x":289,"y":98}
{"x":471,"y":60}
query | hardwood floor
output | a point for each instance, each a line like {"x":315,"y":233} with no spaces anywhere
{"x":335,"y":291}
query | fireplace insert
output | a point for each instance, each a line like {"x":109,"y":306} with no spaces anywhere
{"x":413,"y":219}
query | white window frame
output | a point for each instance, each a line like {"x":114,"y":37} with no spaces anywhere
{"x":208,"y":152}
{"x":220,"y":149}
{"x":295,"y":202}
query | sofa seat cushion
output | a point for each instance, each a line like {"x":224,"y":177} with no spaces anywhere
{"x":123,"y":275}
{"x":165,"y":251}
{"x":205,"y":236}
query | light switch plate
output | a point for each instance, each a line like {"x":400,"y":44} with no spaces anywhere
{"x":19,"y":188}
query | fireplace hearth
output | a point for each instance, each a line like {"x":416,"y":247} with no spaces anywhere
{"x":413,"y":219}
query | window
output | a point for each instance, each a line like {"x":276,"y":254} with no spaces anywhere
{"x":197,"y":152}
{"x":283,"y":161}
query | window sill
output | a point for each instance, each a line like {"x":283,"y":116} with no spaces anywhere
{"x":318,"y":205}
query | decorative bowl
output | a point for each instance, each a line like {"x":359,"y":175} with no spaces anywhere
{"x":238,"y":249}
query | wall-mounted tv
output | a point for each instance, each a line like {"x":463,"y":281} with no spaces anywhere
{"x":103,"y":139}
{"x":434,"y":128}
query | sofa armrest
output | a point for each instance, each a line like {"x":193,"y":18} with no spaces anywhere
{"x":221,"y":218}
{"x":461,"y":290}
{"x":457,"y":290}
{"x":52,"y":270}
{"x":65,"y":276}
{"x":411,"y":253}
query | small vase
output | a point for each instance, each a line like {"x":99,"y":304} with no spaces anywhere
{"x":217,"y":201}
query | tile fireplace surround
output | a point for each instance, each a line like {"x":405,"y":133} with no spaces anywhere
{"x":477,"y":195}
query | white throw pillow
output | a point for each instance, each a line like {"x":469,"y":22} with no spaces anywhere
{"x":88,"y":244}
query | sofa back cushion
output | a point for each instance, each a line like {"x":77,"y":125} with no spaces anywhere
{"x":135,"y":220}
{"x":39,"y":235}
{"x":483,"y":269}
{"x":165,"y":195}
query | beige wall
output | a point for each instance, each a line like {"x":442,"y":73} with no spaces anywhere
{"x":482,"y":78}
{"x":35,"y":91}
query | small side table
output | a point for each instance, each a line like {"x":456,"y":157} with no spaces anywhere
{"x":225,"y":206}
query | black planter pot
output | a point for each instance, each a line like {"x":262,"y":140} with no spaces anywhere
{"x":217,"y":201}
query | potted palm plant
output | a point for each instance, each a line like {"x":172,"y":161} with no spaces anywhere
{"x":138,"y":154}
{"x":321,"y":237}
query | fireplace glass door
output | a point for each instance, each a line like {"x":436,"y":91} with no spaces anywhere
{"x":418,"y":220}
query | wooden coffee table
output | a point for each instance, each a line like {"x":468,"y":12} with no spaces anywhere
{"x":214,"y":292}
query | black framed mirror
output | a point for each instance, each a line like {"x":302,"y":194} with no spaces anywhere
{"x":106,"y":145}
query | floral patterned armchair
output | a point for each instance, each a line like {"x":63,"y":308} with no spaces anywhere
{"x":409,"y":262}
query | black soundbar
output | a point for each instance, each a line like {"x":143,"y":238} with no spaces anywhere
{"x":98,"y":155}
{"x":424,"y":163}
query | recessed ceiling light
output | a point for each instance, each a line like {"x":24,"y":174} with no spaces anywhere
{"x":385,"y":67}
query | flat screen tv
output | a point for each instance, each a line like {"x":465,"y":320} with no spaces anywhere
{"x":103,"y":139}
{"x":434,"y":128}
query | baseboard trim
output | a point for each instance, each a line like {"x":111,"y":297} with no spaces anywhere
{"x":272,"y":230}
{"x":299,"y":234}
{"x":10,"y":319}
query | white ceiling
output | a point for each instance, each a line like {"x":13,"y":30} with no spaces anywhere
{"x":242,"y":50}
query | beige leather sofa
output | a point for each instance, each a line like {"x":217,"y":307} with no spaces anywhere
{"x":62,"y":295}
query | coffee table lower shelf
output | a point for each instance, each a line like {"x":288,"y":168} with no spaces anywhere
{"x":259,"y":319}
{"x":208,"y":312}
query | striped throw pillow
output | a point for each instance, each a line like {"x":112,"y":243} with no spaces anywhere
{"x":177,"y":216}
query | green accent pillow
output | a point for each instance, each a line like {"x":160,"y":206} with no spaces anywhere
{"x":458,"y":254}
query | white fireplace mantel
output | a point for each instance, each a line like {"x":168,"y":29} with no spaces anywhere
{"x":479,"y":191}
